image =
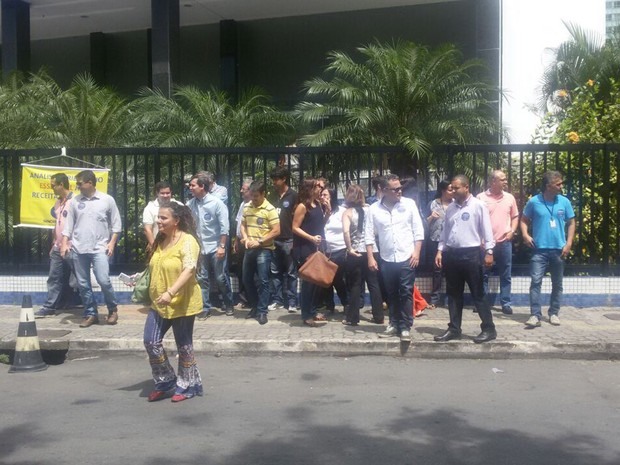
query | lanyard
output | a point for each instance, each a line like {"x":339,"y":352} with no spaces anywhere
{"x":550,"y":210}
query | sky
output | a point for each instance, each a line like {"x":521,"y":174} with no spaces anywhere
{"x":530,"y":28}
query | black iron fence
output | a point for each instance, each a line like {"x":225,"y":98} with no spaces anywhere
{"x":591,"y":183}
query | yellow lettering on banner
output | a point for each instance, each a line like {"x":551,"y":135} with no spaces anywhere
{"x":37,"y":196}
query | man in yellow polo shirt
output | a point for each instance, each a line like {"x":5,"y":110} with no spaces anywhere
{"x":259,"y":227}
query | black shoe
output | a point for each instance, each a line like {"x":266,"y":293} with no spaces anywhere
{"x":485,"y":336}
{"x":262,"y":319}
{"x":507,"y":310}
{"x":229,"y":311}
{"x":251,"y":314}
{"x":447,"y":336}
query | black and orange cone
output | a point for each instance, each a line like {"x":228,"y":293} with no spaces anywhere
{"x":27,"y":349}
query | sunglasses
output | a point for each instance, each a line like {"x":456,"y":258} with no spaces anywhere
{"x":395,"y":189}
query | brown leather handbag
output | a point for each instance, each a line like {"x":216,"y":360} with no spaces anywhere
{"x":318,"y":269}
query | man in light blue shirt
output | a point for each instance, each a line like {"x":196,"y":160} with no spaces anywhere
{"x":467,"y":228}
{"x":397,"y":225}
{"x":92,"y":227}
{"x":550,"y":215}
{"x":212,"y":226}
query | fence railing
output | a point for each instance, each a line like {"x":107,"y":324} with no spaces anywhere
{"x":590,"y":174}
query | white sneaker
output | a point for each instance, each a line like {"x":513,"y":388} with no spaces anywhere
{"x":533,"y":322}
{"x":275,"y":306}
{"x":389,"y":332}
{"x":554,"y":320}
{"x":405,"y":336}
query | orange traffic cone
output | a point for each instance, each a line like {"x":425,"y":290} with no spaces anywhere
{"x":27,"y":350}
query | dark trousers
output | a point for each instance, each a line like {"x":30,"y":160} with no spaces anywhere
{"x":437,"y":272}
{"x":465,"y":266}
{"x":358,"y":273}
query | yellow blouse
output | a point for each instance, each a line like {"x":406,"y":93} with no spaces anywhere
{"x":166,"y":266}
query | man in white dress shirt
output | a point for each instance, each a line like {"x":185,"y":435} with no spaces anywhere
{"x":396,"y":223}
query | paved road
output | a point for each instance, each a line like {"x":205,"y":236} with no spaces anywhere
{"x":316,"y":410}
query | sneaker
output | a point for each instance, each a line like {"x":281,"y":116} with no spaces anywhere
{"x":533,"y":322}
{"x":229,"y":311}
{"x":554,"y":320}
{"x":293,"y":309}
{"x":405,"y":336}
{"x":507,"y":310}
{"x":390,"y":331}
{"x":275,"y":306}
{"x":43,"y":312}
{"x":204,"y":315}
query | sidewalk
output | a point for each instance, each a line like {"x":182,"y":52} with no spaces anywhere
{"x":585,"y":333}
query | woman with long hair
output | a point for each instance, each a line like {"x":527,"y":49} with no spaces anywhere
{"x":357,"y":271}
{"x":435,"y":221}
{"x":335,"y":248}
{"x":176,"y":300}
{"x":308,"y":235}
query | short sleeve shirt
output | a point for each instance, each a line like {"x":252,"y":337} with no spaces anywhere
{"x":549,"y":220}
{"x":259,"y":221}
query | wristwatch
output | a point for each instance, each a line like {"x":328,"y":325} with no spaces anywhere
{"x":489,"y":252}
{"x":260,"y":241}
{"x":222,"y":246}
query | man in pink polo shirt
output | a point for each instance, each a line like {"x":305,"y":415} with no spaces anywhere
{"x":58,"y":290}
{"x":504,"y":222}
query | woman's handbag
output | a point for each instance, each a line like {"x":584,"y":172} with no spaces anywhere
{"x":140,"y":293}
{"x":318,"y":269}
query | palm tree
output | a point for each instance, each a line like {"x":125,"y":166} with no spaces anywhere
{"x":197,"y":118}
{"x":575,"y":61}
{"x":22,"y":115}
{"x":401,"y":94}
{"x":85,"y":115}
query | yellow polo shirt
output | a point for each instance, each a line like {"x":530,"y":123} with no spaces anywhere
{"x":259,"y":221}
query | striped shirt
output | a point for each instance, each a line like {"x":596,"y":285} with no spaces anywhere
{"x":259,"y":221}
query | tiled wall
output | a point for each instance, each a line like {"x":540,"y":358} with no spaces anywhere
{"x":578,"y":291}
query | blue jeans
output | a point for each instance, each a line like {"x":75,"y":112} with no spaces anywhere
{"x":284,"y":275}
{"x":257,"y":262}
{"x":101,"y":267}
{"x":58,"y":290}
{"x":209,"y":262}
{"x":502,"y":255}
{"x":398,"y":279}
{"x":543,"y":259}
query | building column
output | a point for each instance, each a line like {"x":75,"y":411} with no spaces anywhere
{"x":489,"y":47}
{"x":164,"y":44}
{"x":15,"y":36}
{"x":97,"y":57}
{"x":229,"y":59}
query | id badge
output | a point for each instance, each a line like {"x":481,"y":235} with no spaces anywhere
{"x":552,"y":223}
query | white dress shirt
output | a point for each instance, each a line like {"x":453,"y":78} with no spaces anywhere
{"x":397,"y":230}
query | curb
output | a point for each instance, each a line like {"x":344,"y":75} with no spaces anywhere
{"x":346,"y":348}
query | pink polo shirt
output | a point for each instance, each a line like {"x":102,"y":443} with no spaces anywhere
{"x":502,"y":209}
{"x":60,"y":213}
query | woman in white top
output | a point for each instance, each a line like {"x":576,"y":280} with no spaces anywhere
{"x":335,"y":248}
{"x":357,"y":271}
{"x":435,"y":221}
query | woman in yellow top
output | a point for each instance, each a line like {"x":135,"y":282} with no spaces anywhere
{"x":176,"y":300}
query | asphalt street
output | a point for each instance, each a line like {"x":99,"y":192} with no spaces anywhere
{"x":316,"y":410}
